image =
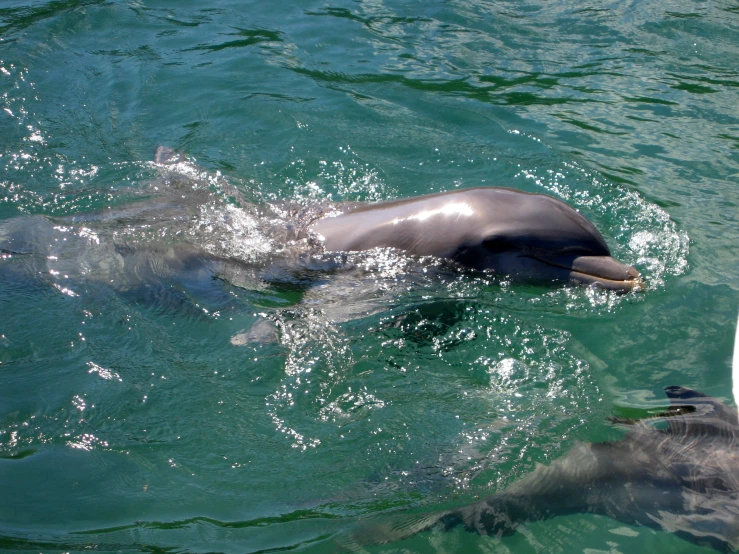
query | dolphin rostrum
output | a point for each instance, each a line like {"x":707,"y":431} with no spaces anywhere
{"x":683,"y":479}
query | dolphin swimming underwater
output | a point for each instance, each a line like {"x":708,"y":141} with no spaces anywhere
{"x":683,"y":479}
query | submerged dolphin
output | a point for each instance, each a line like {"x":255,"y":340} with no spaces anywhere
{"x":683,"y":479}
{"x":527,"y":236}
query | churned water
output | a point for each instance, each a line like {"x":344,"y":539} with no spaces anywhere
{"x":144,"y":403}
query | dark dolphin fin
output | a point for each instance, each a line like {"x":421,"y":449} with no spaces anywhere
{"x":683,"y":395}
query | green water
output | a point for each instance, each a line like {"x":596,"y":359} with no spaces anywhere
{"x":129,"y":420}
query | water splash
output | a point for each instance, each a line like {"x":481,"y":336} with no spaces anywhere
{"x":347,"y":178}
{"x":318,"y":359}
{"x":640,"y":233}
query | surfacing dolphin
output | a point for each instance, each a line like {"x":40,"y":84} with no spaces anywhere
{"x":527,"y":236}
{"x":532,"y":237}
{"x":683,"y":479}
{"x":179,"y":226}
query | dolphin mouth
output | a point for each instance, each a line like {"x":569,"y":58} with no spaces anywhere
{"x":598,"y":271}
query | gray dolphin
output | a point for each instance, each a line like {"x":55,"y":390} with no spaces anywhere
{"x":193,"y":231}
{"x":523,"y":235}
{"x":527,"y":236}
{"x":683,"y":478}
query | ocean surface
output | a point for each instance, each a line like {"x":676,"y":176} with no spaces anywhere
{"x":151,"y":407}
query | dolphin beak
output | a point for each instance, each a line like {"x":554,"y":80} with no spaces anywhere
{"x":607,"y":273}
{"x":598,"y":271}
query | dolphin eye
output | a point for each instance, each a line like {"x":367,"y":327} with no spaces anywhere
{"x":576,"y":251}
{"x":498,"y":245}
{"x":572,"y":250}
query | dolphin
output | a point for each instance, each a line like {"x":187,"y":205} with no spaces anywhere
{"x":526,"y":236}
{"x":530,"y":237}
{"x":683,"y":479}
{"x":180,"y":227}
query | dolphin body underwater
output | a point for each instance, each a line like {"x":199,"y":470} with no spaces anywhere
{"x":682,"y":479}
{"x":179,"y":229}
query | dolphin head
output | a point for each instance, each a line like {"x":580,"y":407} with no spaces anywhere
{"x":530,"y":237}
{"x":535,"y":237}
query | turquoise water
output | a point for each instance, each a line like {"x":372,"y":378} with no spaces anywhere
{"x":131,"y":415}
